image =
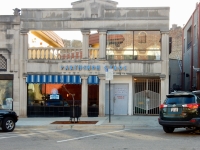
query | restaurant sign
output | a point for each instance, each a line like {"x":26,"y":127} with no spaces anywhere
{"x":91,"y":67}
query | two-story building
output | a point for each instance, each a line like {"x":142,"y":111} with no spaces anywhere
{"x":132,"y":41}
{"x":191,"y":52}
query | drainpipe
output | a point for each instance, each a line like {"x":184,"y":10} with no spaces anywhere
{"x":192,"y":53}
{"x":183,"y":50}
{"x":198,"y":40}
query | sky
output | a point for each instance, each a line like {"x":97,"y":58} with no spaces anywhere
{"x":180,"y":10}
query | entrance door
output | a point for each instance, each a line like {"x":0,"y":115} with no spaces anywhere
{"x":119,"y":99}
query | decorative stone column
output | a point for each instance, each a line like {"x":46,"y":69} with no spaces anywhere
{"x":162,"y":90}
{"x":165,"y":65}
{"x":102,"y":44}
{"x":84,"y":97}
{"x":85,"y":45}
{"x":22,"y":69}
{"x":102,"y":88}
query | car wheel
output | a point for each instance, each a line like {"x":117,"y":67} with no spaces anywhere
{"x":168,"y":129}
{"x":8,"y":125}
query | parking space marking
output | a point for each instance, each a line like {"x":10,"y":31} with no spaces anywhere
{"x":23,"y":135}
{"x":78,"y":138}
{"x":9,"y":137}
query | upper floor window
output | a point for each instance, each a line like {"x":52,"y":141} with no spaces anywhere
{"x":147,"y":45}
{"x":189,"y":39}
{"x":119,"y":45}
{"x":142,"y":37}
{"x":133,"y":45}
{"x":195,"y":35}
{"x":3,"y":63}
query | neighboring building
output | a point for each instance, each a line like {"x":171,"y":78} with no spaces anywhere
{"x":72,"y":43}
{"x":175,"y":58}
{"x":191,"y":52}
{"x":44,"y":39}
{"x":132,"y":41}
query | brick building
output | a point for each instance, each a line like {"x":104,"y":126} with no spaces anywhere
{"x":175,"y":57}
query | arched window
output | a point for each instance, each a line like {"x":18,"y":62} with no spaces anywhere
{"x":142,"y":37}
{"x":3,"y":63}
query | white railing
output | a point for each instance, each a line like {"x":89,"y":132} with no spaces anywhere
{"x":49,"y":53}
{"x":93,"y":53}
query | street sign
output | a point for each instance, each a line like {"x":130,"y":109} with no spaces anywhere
{"x":109,"y":74}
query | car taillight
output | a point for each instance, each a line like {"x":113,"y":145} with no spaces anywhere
{"x":191,"y":106}
{"x":193,"y":120}
{"x":162,"y":106}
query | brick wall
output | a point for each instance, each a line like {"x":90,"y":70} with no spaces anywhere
{"x":176,"y":33}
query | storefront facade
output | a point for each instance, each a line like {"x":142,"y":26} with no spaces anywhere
{"x":134,"y":42}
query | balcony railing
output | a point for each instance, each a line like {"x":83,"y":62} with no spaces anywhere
{"x":49,"y":53}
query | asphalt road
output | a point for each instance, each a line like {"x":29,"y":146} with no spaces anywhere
{"x":144,"y":138}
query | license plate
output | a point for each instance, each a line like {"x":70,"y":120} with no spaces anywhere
{"x":174,"y":109}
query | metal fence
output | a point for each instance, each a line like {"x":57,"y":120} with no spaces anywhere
{"x":146,"y":96}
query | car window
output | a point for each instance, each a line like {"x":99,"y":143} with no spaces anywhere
{"x":180,"y":100}
{"x":198,"y":97}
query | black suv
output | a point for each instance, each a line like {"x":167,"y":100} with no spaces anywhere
{"x":8,"y":118}
{"x":180,"y":110}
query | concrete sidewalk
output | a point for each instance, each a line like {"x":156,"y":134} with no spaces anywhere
{"x":116,"y":122}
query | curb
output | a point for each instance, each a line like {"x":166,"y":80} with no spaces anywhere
{"x":86,"y":127}
{"x":73,"y":127}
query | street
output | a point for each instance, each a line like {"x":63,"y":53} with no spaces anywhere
{"x":143,"y":138}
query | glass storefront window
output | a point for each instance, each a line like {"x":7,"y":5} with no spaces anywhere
{"x":35,"y":95}
{"x":119,"y":45}
{"x":53,"y":94}
{"x":133,"y":45}
{"x":6,"y":93}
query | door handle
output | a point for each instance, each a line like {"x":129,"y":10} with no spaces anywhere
{"x":114,"y":99}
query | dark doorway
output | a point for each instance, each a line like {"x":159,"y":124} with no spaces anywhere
{"x":93,"y":100}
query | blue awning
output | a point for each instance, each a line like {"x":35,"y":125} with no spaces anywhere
{"x":93,"y":80}
{"x":60,"y":79}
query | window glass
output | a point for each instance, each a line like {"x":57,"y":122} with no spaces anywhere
{"x":198,"y":97}
{"x":180,"y":100}
{"x":53,"y":94}
{"x":40,"y":94}
{"x":6,"y":93}
{"x":35,"y":94}
{"x":133,"y":45}
{"x":119,"y":45}
{"x":147,"y":45}
{"x":3,"y":63}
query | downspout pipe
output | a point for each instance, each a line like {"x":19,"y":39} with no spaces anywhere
{"x":198,"y":40}
{"x":192,"y":52}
